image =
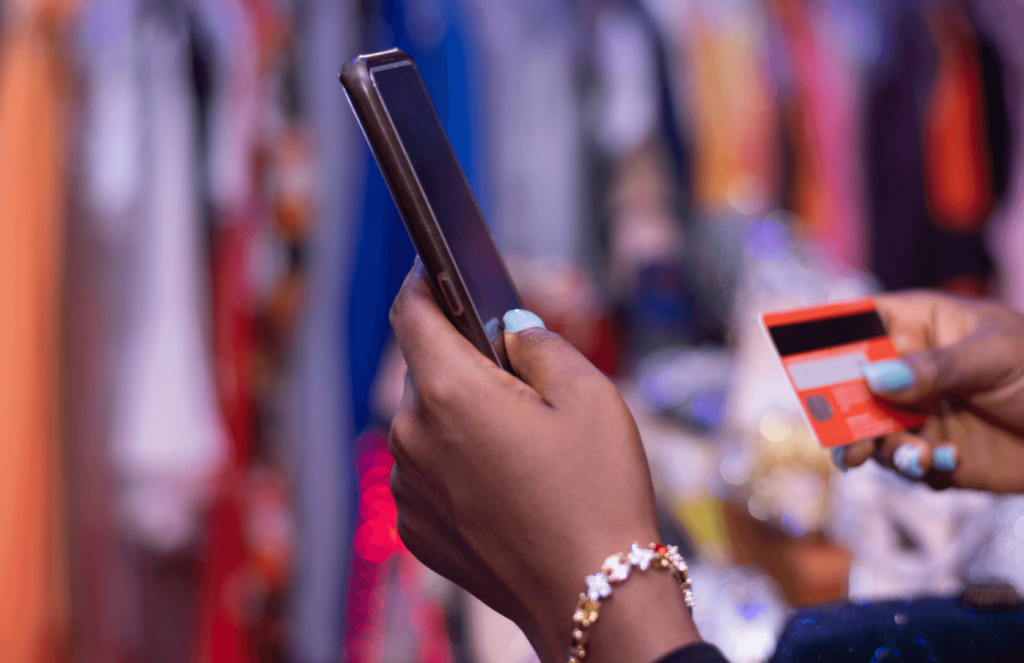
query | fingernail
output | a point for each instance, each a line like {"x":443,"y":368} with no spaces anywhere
{"x":839,"y":458}
{"x":907,"y":460}
{"x":888,"y":377}
{"x":944,"y":458}
{"x":519,"y":319}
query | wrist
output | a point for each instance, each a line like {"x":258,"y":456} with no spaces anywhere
{"x":643,"y":619}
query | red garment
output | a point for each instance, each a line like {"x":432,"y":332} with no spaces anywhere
{"x":957,"y":166}
{"x":223,"y":634}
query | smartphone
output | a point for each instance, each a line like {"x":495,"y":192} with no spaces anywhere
{"x":437,"y":205}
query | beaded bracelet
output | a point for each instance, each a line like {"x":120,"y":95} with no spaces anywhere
{"x":616,"y":569}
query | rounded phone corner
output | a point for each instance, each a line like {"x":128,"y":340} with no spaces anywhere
{"x":354,"y":74}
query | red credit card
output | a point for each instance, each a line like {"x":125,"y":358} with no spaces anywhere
{"x":822,"y":349}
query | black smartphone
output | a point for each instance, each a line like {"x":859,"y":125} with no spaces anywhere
{"x":467,"y":273}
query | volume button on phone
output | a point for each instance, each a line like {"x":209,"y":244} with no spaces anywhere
{"x":450,"y":296}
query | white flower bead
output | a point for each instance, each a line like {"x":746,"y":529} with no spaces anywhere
{"x":598,"y":586}
{"x":641,"y":557}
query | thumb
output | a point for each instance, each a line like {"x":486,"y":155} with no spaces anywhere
{"x":544,"y":360}
{"x":965,"y":368}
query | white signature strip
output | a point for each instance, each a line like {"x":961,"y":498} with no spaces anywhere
{"x":814,"y":374}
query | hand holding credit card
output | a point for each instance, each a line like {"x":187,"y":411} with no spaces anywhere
{"x":822,"y":349}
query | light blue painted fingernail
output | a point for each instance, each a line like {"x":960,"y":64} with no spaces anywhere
{"x":944,"y":458}
{"x":888,"y":377}
{"x":839,"y":458}
{"x":907,"y":460}
{"x":519,"y":319}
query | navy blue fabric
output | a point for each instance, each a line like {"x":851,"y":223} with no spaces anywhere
{"x":700,"y":652}
{"x":919,"y":631}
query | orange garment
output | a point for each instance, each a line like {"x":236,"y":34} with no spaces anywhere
{"x":958,"y":169}
{"x":33,"y":613}
{"x":733,"y":107}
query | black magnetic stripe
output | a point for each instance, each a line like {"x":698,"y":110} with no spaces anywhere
{"x":817,"y":334}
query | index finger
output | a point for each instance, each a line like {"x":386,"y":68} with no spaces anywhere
{"x":908,"y":318}
{"x":431,"y":345}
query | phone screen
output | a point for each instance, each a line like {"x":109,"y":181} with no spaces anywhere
{"x":448,"y":194}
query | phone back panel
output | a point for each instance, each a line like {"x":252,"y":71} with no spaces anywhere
{"x":433,"y":196}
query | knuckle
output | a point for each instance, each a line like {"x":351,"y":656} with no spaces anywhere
{"x":403,"y":433}
{"x":395,"y":480}
{"x":939,"y":367}
{"x":406,"y":531}
{"x":403,"y":301}
{"x":398,"y":486}
{"x":440,"y":391}
{"x":407,"y":514}
{"x":544,"y":342}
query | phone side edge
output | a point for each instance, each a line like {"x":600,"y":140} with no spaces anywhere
{"x":355,"y":78}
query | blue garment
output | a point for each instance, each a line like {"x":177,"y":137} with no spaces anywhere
{"x":435,"y":35}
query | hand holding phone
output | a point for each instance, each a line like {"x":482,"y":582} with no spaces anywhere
{"x":517,"y":489}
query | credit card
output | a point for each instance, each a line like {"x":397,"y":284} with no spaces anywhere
{"x":822,"y":349}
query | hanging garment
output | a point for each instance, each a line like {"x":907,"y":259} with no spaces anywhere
{"x":231,"y":143}
{"x":321,"y":405}
{"x":532,"y":104}
{"x":168,"y":439}
{"x":33,"y":613}
{"x":732,"y":114}
{"x":630,"y":180}
{"x":223,"y":634}
{"x":908,"y":248}
{"x":102,"y":244}
{"x":235,"y":108}
{"x":827,"y":44}
{"x":436,"y":36}
{"x":164,"y":440}
{"x":958,"y":164}
{"x":232,"y":578}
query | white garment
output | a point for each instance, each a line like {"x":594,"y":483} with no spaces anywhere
{"x":906,"y":539}
{"x":167,"y":438}
{"x":533,"y":111}
{"x":628,"y":105}
{"x":235,"y":110}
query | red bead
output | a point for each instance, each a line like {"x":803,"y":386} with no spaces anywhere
{"x":661,"y":550}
